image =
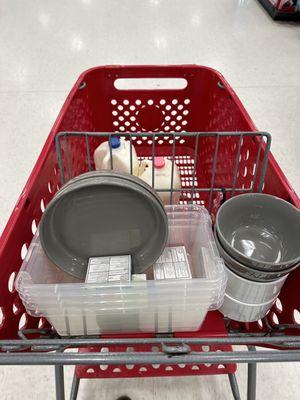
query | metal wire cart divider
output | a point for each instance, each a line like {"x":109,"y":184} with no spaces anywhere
{"x":231,"y":157}
{"x":187,"y":163}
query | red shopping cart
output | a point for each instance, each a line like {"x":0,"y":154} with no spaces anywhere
{"x":191,"y":115}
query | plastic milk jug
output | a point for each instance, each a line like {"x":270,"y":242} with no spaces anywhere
{"x":120,"y":151}
{"x":162,"y":178}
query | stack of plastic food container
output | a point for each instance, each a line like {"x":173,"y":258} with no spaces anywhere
{"x":78,"y":308}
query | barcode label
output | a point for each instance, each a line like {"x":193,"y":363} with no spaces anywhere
{"x":172,"y":264}
{"x":109,"y":269}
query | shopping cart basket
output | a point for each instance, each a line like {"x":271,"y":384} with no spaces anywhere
{"x":191,"y":115}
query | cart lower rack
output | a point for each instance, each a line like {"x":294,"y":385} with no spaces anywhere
{"x":156,"y":356}
{"x":191,"y":115}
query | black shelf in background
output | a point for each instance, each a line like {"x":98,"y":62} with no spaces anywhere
{"x":279,"y":15}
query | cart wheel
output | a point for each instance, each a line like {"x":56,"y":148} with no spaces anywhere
{"x":123,"y":398}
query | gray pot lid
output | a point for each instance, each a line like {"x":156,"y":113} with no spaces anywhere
{"x":109,"y":174}
{"x":101,"y":215}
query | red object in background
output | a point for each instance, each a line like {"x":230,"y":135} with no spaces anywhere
{"x":206,"y":104}
{"x":288,"y":6}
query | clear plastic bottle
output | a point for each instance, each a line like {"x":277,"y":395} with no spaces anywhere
{"x":162,"y":178}
{"x":120,"y":150}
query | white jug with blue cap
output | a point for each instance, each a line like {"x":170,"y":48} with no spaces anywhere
{"x":119,"y":150}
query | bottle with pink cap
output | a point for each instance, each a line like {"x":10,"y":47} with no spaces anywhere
{"x":162,"y":168}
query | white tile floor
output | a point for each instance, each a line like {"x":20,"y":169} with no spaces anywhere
{"x":44,"y":45}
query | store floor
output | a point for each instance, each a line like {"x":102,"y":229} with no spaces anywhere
{"x":44,"y":45}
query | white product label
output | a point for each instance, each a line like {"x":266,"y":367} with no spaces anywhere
{"x":172,"y":264}
{"x":108,"y":269}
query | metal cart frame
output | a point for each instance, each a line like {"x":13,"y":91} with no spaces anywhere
{"x":175,"y":350}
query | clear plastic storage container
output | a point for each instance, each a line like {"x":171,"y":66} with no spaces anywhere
{"x":77,"y":308}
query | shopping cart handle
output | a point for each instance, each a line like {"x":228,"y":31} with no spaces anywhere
{"x":177,"y":349}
